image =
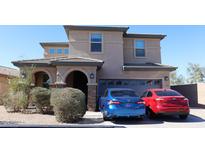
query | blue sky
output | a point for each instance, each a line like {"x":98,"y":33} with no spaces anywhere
{"x":182,"y":45}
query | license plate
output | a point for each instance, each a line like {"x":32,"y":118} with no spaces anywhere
{"x":128,"y":105}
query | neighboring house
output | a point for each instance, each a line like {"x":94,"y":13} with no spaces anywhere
{"x":5,"y":74}
{"x":96,"y":58}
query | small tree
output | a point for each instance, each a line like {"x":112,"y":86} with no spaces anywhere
{"x":176,"y":79}
{"x":203,"y":72}
{"x":22,"y":85}
{"x":195,"y":73}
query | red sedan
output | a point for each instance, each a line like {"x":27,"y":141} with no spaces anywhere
{"x":165,"y":101}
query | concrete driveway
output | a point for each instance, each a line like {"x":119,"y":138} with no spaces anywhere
{"x":195,"y":120}
{"x":95,"y":120}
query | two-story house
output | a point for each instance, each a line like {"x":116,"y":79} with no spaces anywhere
{"x":96,"y":58}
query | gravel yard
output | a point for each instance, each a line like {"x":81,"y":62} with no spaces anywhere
{"x":94,"y":119}
{"x":19,"y":118}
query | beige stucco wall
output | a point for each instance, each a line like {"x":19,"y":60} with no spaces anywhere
{"x":201,"y":93}
{"x":3,"y":84}
{"x":113,"y":55}
{"x":64,"y":71}
{"x":152,"y":51}
{"x":51,"y":71}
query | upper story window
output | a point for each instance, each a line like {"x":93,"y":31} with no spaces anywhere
{"x":139,"y":48}
{"x":59,"y":51}
{"x":96,"y":42}
{"x":66,"y":51}
{"x":51,"y":51}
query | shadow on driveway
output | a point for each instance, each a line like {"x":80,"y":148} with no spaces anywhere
{"x":158,"y":120}
{"x":175,"y":119}
{"x":91,"y":121}
{"x":126,"y":121}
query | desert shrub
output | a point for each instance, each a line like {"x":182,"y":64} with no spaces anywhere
{"x":41,"y":98}
{"x":1,"y":99}
{"x":68,"y":104}
{"x":15,"y":102}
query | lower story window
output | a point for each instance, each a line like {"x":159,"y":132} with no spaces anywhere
{"x":139,"y":52}
{"x":96,"y":47}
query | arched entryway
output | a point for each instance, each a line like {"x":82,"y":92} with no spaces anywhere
{"x":78,"y":80}
{"x":41,"y":79}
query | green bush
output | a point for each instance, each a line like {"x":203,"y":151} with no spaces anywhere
{"x":68,"y":104}
{"x":41,"y":98}
{"x":15,"y":102}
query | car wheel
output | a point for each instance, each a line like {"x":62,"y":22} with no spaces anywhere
{"x":105,"y":118}
{"x":183,"y":117}
{"x":141,"y":117}
{"x":150,"y":113}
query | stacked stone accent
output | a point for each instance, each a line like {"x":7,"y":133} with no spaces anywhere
{"x":92,"y":97}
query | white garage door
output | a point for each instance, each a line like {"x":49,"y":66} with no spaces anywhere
{"x":138,"y":85}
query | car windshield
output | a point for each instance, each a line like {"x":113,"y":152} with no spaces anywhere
{"x":123,"y":93}
{"x":167,"y":93}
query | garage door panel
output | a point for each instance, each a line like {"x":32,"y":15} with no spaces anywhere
{"x":138,"y":85}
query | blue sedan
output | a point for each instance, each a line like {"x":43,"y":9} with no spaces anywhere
{"x":121,"y":102}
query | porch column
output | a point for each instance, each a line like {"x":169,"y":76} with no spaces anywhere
{"x":59,"y":79}
{"x":91,"y":104}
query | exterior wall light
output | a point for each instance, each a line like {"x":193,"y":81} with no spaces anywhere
{"x":92,"y":75}
{"x":23,"y":75}
{"x":166,"y":78}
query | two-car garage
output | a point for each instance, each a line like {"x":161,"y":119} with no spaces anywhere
{"x":139,"y":85}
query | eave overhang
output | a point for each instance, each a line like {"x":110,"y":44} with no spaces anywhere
{"x":150,"y":36}
{"x":60,"y":61}
{"x":153,"y":67}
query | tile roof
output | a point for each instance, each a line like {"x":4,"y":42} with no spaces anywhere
{"x":8,"y":71}
{"x":59,"y":61}
{"x":54,"y":44}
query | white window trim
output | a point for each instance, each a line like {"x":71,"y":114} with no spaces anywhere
{"x":144,"y":48}
{"x":102,"y":50}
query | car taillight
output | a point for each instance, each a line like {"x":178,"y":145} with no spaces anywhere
{"x":113,"y":102}
{"x":187,"y":101}
{"x":159,"y":99}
